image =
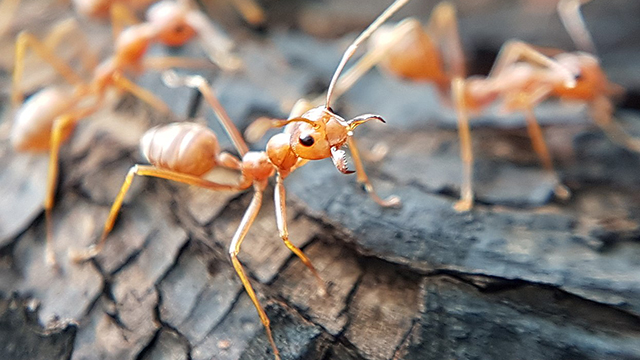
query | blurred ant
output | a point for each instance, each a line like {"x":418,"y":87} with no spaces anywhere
{"x":522,"y":77}
{"x":316,"y":134}
{"x":48,"y":117}
{"x":122,"y":11}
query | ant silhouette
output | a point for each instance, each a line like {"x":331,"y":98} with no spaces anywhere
{"x":316,"y":134}
{"x":49,"y":116}
{"x":521,"y":78}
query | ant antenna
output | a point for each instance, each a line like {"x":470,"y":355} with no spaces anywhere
{"x":392,"y":9}
{"x":573,"y":21}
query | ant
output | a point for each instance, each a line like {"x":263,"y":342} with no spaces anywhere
{"x":522,"y":77}
{"x":316,"y":134}
{"x":122,"y":11}
{"x":49,"y":116}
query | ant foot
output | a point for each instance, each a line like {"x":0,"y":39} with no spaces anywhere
{"x":463,"y":205}
{"x":562,"y":192}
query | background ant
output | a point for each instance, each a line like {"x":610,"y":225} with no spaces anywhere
{"x":184,"y":152}
{"x":49,"y":116}
{"x":521,"y":78}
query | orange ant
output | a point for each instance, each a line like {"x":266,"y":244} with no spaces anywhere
{"x":122,"y":11}
{"x":522,"y":77}
{"x":47,"y":119}
{"x":316,"y":134}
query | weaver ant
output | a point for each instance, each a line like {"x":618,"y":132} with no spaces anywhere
{"x":316,"y":134}
{"x":522,"y":77}
{"x":48,"y":117}
{"x":122,"y":10}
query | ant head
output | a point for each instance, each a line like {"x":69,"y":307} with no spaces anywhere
{"x":169,"y":18}
{"x":320,"y":133}
{"x":590,"y":79}
{"x":316,"y":132}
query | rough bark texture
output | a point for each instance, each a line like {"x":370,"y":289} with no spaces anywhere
{"x":522,"y":276}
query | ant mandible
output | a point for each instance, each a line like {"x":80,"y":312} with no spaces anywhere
{"x":316,"y":134}
{"x":522,"y":77}
{"x":47,"y":119}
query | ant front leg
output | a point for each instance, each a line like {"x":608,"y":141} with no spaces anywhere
{"x":281,"y":221}
{"x":26,"y":40}
{"x":234,"y":249}
{"x":151,"y":171}
{"x":458,"y":92}
{"x":362,"y":178}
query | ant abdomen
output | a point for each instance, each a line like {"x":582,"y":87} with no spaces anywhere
{"x":187,"y":148}
{"x":34,"y":120}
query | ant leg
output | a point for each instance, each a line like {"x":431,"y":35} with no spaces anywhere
{"x":571,"y":17}
{"x":151,"y":171}
{"x":63,"y":29}
{"x":514,"y":51}
{"x":173,"y":80}
{"x":281,"y":221}
{"x":223,"y":117}
{"x":143,"y":94}
{"x":601,"y":111}
{"x":61,"y":127}
{"x":26,"y":40}
{"x":121,"y":17}
{"x":250,"y":11}
{"x":540,"y":147}
{"x":443,"y":24}
{"x":234,"y":250}
{"x":362,"y":178}
{"x":465,"y":203}
{"x":216,"y":44}
{"x":8,"y":9}
{"x":166,"y":62}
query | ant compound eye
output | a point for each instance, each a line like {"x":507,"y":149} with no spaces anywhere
{"x":307,"y":140}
